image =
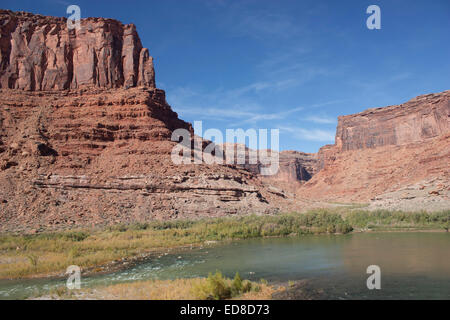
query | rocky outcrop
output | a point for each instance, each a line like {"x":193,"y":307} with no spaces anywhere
{"x":294,"y":167}
{"x":385,"y":149}
{"x":419,"y":119}
{"x":85,"y":140}
{"x":85,"y":137}
{"x":429,"y":194}
{"x":41,"y":53}
{"x":95,"y":157}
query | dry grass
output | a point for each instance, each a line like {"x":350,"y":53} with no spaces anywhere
{"x":180,"y":289}
{"x":265,"y":293}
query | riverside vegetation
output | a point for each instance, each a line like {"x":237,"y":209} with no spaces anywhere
{"x":214,"y":287}
{"x":51,"y":253}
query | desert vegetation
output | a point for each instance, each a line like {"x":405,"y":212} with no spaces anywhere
{"x":392,"y":220}
{"x":214,"y":287}
{"x":51,"y":253}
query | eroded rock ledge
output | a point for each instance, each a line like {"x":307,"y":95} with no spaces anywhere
{"x":40,"y":53}
{"x":84,"y":157}
{"x":385,"y":149}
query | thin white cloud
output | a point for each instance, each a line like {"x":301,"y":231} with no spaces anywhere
{"x":317,"y":135}
{"x":265,"y":24}
{"x":215,"y":113}
{"x":251,"y":20}
{"x":400,"y":76}
{"x":238,"y":106}
{"x":275,"y":59}
{"x":321,"y":119}
{"x":275,"y":85}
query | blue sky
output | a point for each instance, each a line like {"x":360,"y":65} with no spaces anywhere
{"x":292,"y":65}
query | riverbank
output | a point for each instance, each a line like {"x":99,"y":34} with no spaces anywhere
{"x":214,"y":287}
{"x":414,"y":265}
{"x":96,"y":251}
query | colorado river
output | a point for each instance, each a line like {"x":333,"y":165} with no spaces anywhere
{"x":413,"y":265}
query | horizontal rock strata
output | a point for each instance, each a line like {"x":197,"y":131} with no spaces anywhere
{"x":95,"y":157}
{"x":384,"y":149}
{"x":41,"y":53}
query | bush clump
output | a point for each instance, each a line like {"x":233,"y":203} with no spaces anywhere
{"x":217,"y":287}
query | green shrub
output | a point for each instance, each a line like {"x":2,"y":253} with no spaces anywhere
{"x":367,"y":219}
{"x":246,"y":286}
{"x":236,"y":286}
{"x":219,"y":288}
{"x":216,"y":287}
{"x":139,"y":226}
{"x":76,"y":236}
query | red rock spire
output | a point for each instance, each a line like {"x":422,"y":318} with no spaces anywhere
{"x":41,"y":53}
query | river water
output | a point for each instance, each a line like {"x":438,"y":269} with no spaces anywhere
{"x":414,"y":265}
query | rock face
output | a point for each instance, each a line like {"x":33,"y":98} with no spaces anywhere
{"x":419,"y":119}
{"x":294,"y":167}
{"x":85,"y":140}
{"x":85,"y":137}
{"x":41,"y":53}
{"x":83,"y":158}
{"x":429,"y":194}
{"x":385,"y":149}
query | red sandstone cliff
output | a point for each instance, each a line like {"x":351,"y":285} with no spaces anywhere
{"x":40,"y":53}
{"x":80,"y":146}
{"x":385,"y":149}
{"x":85,"y":140}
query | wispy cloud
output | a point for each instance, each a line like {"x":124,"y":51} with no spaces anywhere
{"x":318,"y":135}
{"x":321,"y":119}
{"x":239,"y":106}
{"x":399,"y":76}
{"x":286,"y":67}
{"x":249,"y":19}
{"x":215,"y":113}
{"x":262,"y":25}
{"x":380,"y":85}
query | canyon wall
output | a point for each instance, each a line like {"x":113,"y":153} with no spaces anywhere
{"x":85,"y":140}
{"x":85,"y":137}
{"x":97,"y":157}
{"x":41,"y":53}
{"x":419,"y":119}
{"x":294,"y":167}
{"x":385,"y":149}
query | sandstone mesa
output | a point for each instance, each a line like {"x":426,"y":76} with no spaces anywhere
{"x":85,"y":141}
